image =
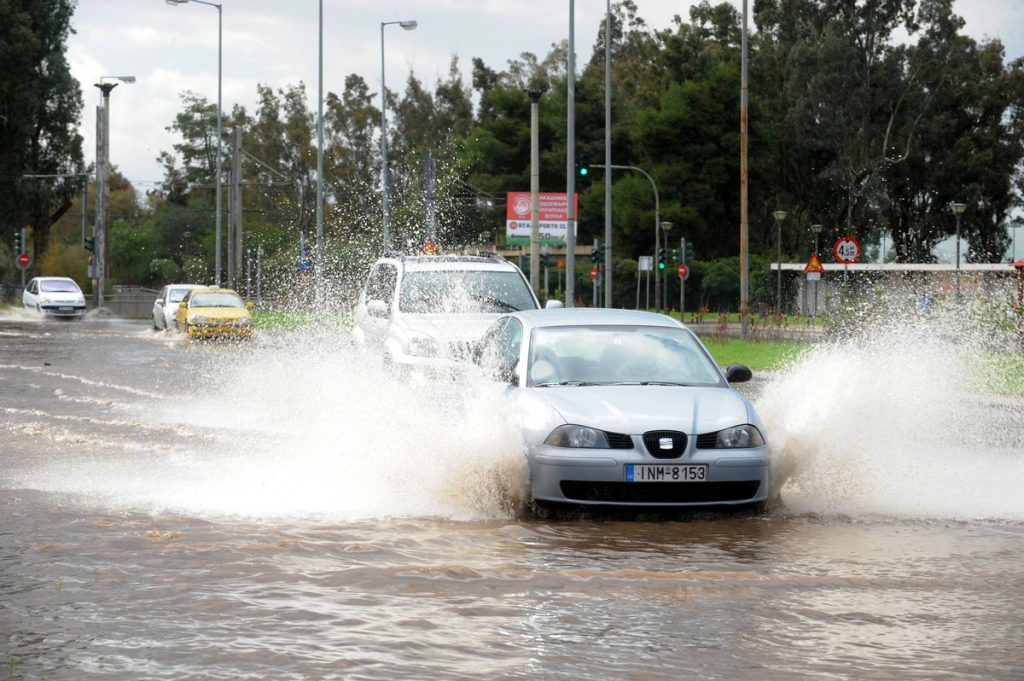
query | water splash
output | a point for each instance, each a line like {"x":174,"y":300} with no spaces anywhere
{"x":897,"y":419}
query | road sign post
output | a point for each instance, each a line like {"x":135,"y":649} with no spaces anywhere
{"x":684,"y":273}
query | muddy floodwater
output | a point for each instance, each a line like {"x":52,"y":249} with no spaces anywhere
{"x":281,"y":510}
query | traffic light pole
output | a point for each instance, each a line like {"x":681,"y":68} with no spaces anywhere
{"x":657,"y":224}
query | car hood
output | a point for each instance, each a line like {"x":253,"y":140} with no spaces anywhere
{"x":226,"y":313}
{"x":637,"y":409}
{"x":448,"y":327}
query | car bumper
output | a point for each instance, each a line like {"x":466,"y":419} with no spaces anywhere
{"x":597,"y":477}
{"x":63,"y":310}
{"x":219,"y":331}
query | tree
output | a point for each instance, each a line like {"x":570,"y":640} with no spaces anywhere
{"x":40,"y":108}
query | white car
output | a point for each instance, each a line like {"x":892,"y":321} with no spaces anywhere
{"x":165,"y":307}
{"x":624,"y":408}
{"x":54,"y":296}
{"x":425,"y":313}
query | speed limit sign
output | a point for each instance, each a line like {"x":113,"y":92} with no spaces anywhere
{"x":847,"y":250}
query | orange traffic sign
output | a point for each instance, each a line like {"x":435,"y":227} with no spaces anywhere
{"x":814,"y":264}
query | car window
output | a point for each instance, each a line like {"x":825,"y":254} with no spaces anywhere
{"x":381,"y":284}
{"x":59,"y":286}
{"x":466,"y":291}
{"x":34,"y":286}
{"x":623,"y":354}
{"x":176,"y":295}
{"x":506,"y":346}
{"x":216,"y":299}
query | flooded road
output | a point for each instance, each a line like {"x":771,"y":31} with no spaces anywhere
{"x":279,"y":510}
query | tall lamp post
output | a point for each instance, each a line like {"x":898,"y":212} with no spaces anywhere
{"x":408,"y":25}
{"x":779,"y":216}
{"x":220,"y":127}
{"x":958,"y":210}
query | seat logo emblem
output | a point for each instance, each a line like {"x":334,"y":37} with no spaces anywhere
{"x":665,"y":443}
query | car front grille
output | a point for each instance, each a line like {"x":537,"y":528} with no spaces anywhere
{"x":619,"y":441}
{"x":656,"y":440}
{"x":707,"y":441}
{"x":660,"y":492}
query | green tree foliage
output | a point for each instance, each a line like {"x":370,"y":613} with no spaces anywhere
{"x":40,"y":106}
{"x":867,"y":116}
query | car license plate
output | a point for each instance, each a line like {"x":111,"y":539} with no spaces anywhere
{"x":688,"y":472}
{"x":66,"y":309}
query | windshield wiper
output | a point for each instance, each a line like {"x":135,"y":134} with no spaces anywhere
{"x":650,"y":383}
{"x":569,"y":383}
{"x":508,"y":307}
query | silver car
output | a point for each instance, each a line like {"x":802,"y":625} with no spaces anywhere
{"x":165,"y":307}
{"x":54,"y":297}
{"x":623,"y":408}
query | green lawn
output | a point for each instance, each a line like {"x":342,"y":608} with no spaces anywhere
{"x":761,"y":355}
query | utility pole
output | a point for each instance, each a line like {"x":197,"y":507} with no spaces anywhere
{"x":608,"y":153}
{"x":535,"y":185}
{"x":744,"y":224}
{"x":102,"y":191}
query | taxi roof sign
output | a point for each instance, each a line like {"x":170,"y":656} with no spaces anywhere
{"x":814,"y":264}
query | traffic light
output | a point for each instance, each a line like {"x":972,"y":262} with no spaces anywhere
{"x":19,"y":244}
{"x":675,"y":255}
{"x":689,"y":251}
{"x":582,"y":168}
{"x":661,"y":258}
{"x":90,"y":244}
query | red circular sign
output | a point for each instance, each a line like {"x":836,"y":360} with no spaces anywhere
{"x":23,"y":259}
{"x":846,"y":250}
{"x":593,"y":273}
{"x":681,"y":270}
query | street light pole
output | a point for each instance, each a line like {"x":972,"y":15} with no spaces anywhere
{"x":570,"y":163}
{"x":608,"y":154}
{"x":320,"y":164}
{"x":408,"y":25}
{"x":958,"y":209}
{"x":817,"y":230}
{"x":535,"y":96}
{"x":779,"y":216}
{"x":220,"y":127}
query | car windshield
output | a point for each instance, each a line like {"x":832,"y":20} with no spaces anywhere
{"x":466,"y":291}
{"x":619,"y":355}
{"x":218,"y":299}
{"x":58,"y":286}
{"x":175,"y":295}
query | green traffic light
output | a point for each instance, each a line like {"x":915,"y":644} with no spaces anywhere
{"x":584,"y":171}
{"x":661,"y":265}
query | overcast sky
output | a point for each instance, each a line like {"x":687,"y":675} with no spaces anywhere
{"x":171,"y":49}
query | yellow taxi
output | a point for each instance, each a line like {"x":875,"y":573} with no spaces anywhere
{"x":213,"y":312}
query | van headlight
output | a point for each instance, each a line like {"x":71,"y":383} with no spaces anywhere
{"x":422,"y":346}
{"x":577,"y":437}
{"x":740,"y":437}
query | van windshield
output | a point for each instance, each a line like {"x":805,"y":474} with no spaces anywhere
{"x":464,"y":291}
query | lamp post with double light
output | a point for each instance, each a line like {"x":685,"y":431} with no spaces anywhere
{"x":779,"y":216}
{"x":958,"y":210}
{"x":408,"y":25}
{"x":220,"y":126}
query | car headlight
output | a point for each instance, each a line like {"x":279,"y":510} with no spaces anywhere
{"x":199,"y":319}
{"x":740,"y":437}
{"x":423,"y":346}
{"x":46,"y":301}
{"x":579,"y":437}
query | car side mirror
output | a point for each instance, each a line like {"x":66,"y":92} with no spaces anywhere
{"x":738,"y":373}
{"x":553,"y":304}
{"x":377,"y":308}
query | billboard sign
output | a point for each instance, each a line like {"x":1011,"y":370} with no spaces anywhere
{"x":552,"y":211}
